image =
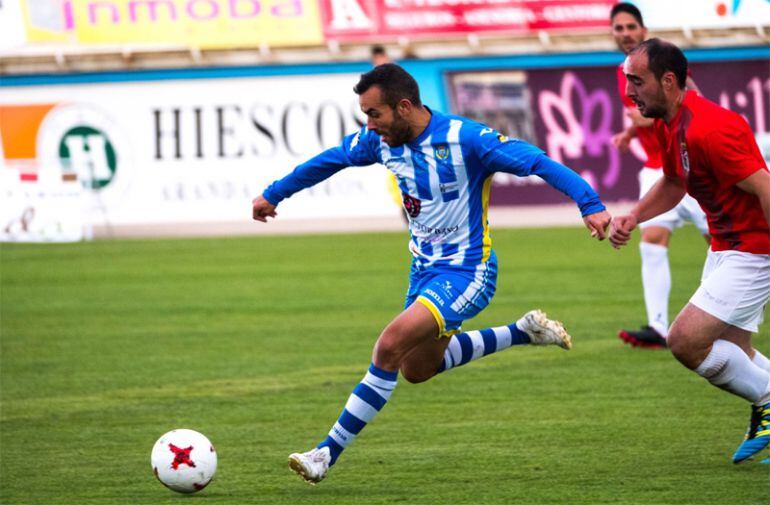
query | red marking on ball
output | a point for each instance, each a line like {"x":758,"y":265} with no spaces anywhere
{"x":181,"y":456}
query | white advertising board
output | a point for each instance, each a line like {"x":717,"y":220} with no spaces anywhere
{"x":665,"y":14}
{"x":196,"y":150}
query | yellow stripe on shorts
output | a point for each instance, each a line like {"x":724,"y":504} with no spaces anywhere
{"x":442,"y":331}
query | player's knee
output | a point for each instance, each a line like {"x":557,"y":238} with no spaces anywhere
{"x":680,"y":345}
{"x":415,"y":376}
{"x":388,"y":351}
{"x":656,"y":235}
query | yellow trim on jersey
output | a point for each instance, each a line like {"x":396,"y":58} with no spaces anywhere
{"x":442,"y":331}
{"x":486,"y":243}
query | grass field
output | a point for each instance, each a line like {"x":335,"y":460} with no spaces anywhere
{"x":258,"y":341}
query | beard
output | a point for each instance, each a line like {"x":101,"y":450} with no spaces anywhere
{"x":399,"y":133}
{"x":655,"y":107}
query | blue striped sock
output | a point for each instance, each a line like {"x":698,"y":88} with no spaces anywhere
{"x":466,"y":347}
{"x":371,"y":394}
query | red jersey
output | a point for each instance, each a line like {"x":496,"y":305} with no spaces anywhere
{"x":645,"y":134}
{"x":711,"y":149}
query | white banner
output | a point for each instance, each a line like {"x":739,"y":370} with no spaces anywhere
{"x":187,"y":151}
{"x":665,"y":14}
{"x":12,"y":33}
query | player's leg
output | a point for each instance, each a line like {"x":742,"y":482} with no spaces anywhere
{"x":409,"y":329}
{"x":712,"y":336}
{"x":656,"y":272}
{"x":413,"y":326}
{"x":454,"y":296}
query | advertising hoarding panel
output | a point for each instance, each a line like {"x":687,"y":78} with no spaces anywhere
{"x":191,"y":151}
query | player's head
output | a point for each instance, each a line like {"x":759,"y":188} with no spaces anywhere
{"x":388,"y":96}
{"x":379,"y":55}
{"x":627,"y":26}
{"x":656,"y":72}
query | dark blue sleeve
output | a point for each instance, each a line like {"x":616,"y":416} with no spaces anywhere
{"x":359,"y":149}
{"x":500,"y":154}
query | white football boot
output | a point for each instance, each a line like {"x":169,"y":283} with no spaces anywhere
{"x":544,"y":331}
{"x":312,"y":465}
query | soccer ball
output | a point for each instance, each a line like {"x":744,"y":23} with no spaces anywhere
{"x":184,"y":460}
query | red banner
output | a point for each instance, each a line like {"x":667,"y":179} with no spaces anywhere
{"x":357,"y":20}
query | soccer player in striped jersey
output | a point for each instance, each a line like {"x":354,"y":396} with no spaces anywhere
{"x":710,"y":153}
{"x":444,"y":166}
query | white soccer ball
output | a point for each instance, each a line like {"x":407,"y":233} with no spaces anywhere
{"x":184,"y":460}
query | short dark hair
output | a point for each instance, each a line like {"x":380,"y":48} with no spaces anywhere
{"x":394,"y":82}
{"x":378,"y":49}
{"x":664,"y":57}
{"x":628,"y":9}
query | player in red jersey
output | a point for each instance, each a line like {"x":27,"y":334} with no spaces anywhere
{"x":711,"y":153}
{"x":628,"y":31}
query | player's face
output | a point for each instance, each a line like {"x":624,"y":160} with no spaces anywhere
{"x":627,"y":31}
{"x":383,"y":119}
{"x":643,"y":87}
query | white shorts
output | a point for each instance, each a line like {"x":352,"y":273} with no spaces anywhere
{"x":735,"y":288}
{"x":687,"y":210}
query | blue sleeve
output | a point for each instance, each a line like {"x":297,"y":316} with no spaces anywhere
{"x":500,"y":154}
{"x":358,"y":149}
{"x":569,"y":183}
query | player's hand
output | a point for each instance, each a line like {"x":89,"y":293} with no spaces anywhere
{"x":262,"y":209}
{"x":620,"y":230}
{"x":637,"y":119}
{"x":597,"y":224}
{"x":621,"y":141}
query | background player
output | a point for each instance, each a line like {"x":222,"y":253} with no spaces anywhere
{"x":711,"y":153}
{"x":444,"y":166}
{"x":629,"y":31}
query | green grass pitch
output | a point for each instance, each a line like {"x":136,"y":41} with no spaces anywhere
{"x":257,"y":342}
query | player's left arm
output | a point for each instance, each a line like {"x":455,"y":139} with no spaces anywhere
{"x":520,"y":158}
{"x":758,"y":184}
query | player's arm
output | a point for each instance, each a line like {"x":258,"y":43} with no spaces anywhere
{"x":758,"y":184}
{"x":356,"y":149}
{"x":520,"y":158}
{"x":662,"y":197}
{"x":622,"y":140}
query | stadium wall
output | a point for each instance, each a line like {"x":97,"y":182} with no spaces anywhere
{"x":166,"y":182}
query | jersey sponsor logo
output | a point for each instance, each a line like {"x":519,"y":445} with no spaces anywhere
{"x":412,"y":205}
{"x":438,"y":233}
{"x":685,"y":158}
{"x":441,"y":151}
{"x":485,"y":131}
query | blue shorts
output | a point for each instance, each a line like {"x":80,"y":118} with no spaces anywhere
{"x":453,"y":294}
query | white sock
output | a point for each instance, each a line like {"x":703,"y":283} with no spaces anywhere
{"x":656,"y":280}
{"x":729,"y":368}
{"x":761,"y":361}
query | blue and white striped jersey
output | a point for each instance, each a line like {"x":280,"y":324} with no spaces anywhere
{"x":444,"y":176}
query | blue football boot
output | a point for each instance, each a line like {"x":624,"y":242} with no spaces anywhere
{"x":758,"y":434}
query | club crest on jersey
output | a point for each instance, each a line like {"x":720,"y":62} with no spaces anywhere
{"x":412,"y":205}
{"x":502,"y":138}
{"x":685,"y":158}
{"x":441,"y":151}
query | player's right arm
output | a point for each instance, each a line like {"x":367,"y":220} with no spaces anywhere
{"x":359,"y":149}
{"x":662,"y":197}
{"x":758,"y":184}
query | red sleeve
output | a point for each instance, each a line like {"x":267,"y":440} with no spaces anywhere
{"x":733,"y":153}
